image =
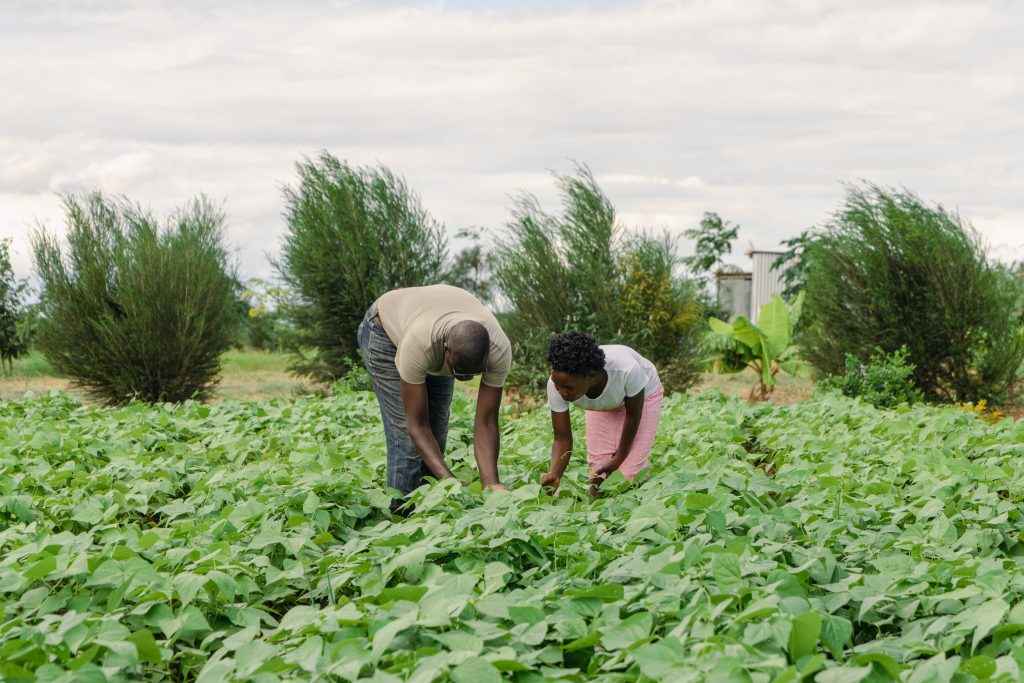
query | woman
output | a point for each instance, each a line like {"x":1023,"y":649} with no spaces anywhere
{"x":620,"y":391}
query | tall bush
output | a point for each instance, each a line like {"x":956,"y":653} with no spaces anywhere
{"x":13,"y":342}
{"x":577,"y":270}
{"x":889,"y":271}
{"x":136,"y":308}
{"x":352,"y":234}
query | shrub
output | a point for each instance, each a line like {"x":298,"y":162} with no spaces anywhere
{"x":136,"y":309}
{"x":352,"y":234}
{"x":889,"y":271}
{"x":884,"y":382}
{"x":577,"y":271}
{"x":660,"y":314}
{"x":13,"y":340}
{"x":983,"y":411}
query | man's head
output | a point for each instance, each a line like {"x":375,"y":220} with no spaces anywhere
{"x":465,"y":349}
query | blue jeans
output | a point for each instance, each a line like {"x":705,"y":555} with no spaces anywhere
{"x":406,"y":468}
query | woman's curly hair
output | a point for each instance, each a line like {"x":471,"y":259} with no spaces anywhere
{"x":576,"y":353}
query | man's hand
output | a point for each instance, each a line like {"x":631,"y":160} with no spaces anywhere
{"x":550,"y":480}
{"x":495,"y":487}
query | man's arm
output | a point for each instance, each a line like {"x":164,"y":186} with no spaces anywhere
{"x":485,"y":435}
{"x":561,"y":449}
{"x":417,"y":419}
{"x":634,"y":411}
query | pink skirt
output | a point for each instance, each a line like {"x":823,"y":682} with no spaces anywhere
{"x":604,"y":429}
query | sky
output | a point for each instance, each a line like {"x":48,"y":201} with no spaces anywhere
{"x":758,"y":110}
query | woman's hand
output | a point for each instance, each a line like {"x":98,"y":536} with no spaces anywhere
{"x":550,"y":480}
{"x":610,"y":466}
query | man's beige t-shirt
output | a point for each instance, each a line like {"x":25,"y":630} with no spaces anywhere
{"x":417,"y":319}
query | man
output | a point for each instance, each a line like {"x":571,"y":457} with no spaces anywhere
{"x":416,"y":342}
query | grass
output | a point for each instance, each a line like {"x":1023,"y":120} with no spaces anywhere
{"x":260,"y":375}
{"x":245,"y":375}
{"x":254,"y":361}
{"x":32,"y":365}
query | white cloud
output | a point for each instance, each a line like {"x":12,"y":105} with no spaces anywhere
{"x":755,"y":110}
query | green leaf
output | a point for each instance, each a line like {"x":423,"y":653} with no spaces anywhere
{"x":658,"y":660}
{"x":748,"y":334}
{"x":215,"y":671}
{"x":836,"y":633}
{"x":725,"y":568}
{"x":146,"y":646}
{"x":983,"y":618}
{"x":891,"y":666}
{"x":525,"y":614}
{"x":803,"y":639}
{"x":698,"y":501}
{"x":535,"y":634}
{"x":722,"y":328}
{"x":307,"y":655}
{"x":611,"y":592}
{"x":843,"y":674}
{"x":774,"y":323}
{"x":39,"y":570}
{"x":252,"y":655}
{"x":460,"y":641}
{"x":403,"y":591}
{"x":982,"y":667}
{"x":628,"y":632}
{"x":383,"y":638}
{"x":475,"y":670}
{"x":188,"y":586}
{"x":298,"y":617}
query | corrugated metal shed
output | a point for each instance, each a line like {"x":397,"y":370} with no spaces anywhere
{"x":745,"y":293}
{"x":734,"y":293}
{"x":764,"y":281}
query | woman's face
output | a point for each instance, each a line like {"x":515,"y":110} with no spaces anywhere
{"x":570,"y":387}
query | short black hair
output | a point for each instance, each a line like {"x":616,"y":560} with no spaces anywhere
{"x":576,"y":353}
{"x":469,"y":342}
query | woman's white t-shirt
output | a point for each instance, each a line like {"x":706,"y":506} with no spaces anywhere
{"x":629,"y":373}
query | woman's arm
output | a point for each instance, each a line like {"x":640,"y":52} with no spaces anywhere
{"x":561,"y":449}
{"x":634,"y":411}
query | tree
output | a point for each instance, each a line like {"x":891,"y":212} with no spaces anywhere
{"x":352,"y":234}
{"x":713,"y":242}
{"x":13,"y":342}
{"x":793,"y":263}
{"x":471,"y":269}
{"x":576,"y":271}
{"x":887,"y":271}
{"x":136,"y":307}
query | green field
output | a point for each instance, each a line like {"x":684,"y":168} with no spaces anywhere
{"x":823,"y":541}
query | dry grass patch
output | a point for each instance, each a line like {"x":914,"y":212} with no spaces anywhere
{"x":788,"y":389}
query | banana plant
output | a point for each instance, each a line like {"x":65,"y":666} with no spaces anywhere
{"x":765,"y":348}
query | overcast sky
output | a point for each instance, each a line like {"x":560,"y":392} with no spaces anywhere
{"x":758,"y":110}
